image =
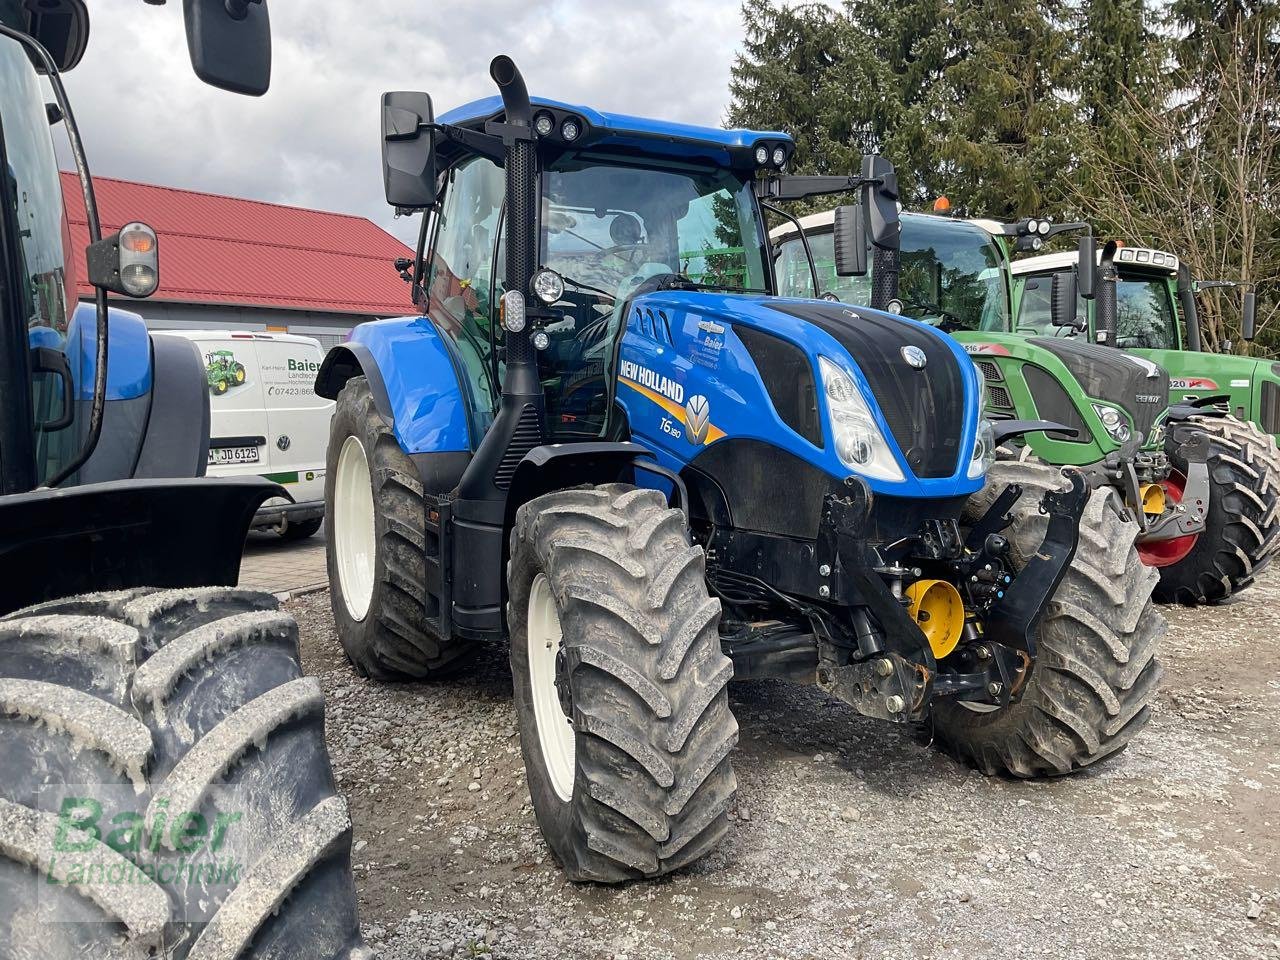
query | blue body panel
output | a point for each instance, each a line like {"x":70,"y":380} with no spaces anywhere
{"x":128,"y":353}
{"x":621,"y":124}
{"x":703,"y":357}
{"x":429,"y":410}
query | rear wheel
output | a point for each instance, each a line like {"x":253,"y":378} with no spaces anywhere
{"x":620,"y":683}
{"x":1095,"y":673}
{"x":1242,"y":525}
{"x":183,"y":718}
{"x":376,"y":552}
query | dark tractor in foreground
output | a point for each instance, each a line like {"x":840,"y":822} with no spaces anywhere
{"x":165,"y":788}
{"x":605,"y":438}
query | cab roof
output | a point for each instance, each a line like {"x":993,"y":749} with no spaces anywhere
{"x":734,"y":148}
{"x":1127,"y":258}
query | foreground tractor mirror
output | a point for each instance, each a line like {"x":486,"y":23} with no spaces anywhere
{"x":850,"y":241}
{"x":230,"y":43}
{"x":1062,"y":303}
{"x":408,"y":150}
{"x":1249,"y":319}
{"x":127,"y":262}
{"x":1086,"y":267}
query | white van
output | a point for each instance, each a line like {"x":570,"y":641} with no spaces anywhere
{"x":266,"y":419}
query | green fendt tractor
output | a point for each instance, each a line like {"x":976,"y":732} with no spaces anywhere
{"x":1112,"y":409}
{"x":1150,"y":311}
{"x":224,"y":372}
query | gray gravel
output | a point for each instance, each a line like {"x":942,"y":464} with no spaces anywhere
{"x":850,"y":836}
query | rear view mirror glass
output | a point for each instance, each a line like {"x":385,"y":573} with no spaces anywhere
{"x":230,"y":43}
{"x":408,"y":150}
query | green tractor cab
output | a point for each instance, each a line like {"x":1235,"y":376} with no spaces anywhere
{"x":224,"y":371}
{"x":1233,"y":401}
{"x":1113,"y":408}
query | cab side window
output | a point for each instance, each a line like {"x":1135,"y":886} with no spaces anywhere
{"x":463,"y":275}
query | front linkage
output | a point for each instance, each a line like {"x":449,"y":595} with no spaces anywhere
{"x":893,"y":673}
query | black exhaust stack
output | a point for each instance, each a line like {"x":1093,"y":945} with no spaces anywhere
{"x":1106,"y":293}
{"x":1190,"y":309}
{"x":478,"y":512}
{"x":884,"y":229}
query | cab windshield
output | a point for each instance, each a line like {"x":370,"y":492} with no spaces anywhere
{"x":1145,"y":317}
{"x":951,"y":276}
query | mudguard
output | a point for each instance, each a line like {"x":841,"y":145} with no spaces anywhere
{"x":132,"y":533}
{"x":414,"y":380}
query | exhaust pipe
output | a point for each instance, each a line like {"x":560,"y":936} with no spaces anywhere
{"x":1106,"y":294}
{"x":520,"y":423}
{"x":1190,"y":309}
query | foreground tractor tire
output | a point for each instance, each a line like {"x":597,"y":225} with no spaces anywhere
{"x":165,"y":789}
{"x":1096,"y":673}
{"x":619,"y":683}
{"x":1242,"y":526}
{"x":376,"y":551}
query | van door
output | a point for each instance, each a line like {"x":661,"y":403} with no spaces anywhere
{"x":237,"y":424}
{"x":297,"y":419}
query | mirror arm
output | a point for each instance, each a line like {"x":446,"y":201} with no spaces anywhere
{"x":801,"y":188}
{"x":804,"y":242}
{"x":484,"y":144}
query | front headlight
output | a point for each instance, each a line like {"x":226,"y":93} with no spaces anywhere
{"x":859,"y":443}
{"x":984,"y":446}
{"x":1113,"y":421}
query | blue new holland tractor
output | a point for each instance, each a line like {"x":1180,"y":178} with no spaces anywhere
{"x":605,"y":438}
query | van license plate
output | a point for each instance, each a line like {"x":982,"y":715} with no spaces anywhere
{"x":220,"y":456}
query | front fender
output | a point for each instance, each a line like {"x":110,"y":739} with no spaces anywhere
{"x":413,"y":379}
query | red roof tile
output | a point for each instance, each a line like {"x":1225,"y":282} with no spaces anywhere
{"x":216,"y":249}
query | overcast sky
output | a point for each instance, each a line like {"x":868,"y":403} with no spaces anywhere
{"x":313,"y":139}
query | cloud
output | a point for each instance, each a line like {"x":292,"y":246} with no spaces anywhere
{"x":313,"y":139}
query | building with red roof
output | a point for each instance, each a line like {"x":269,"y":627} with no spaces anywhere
{"x":227,"y":263}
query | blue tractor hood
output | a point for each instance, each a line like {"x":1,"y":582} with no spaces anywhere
{"x":697,"y":368}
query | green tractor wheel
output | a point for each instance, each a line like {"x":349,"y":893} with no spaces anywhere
{"x":219,"y":387}
{"x":1242,"y":526}
{"x":239,"y":373}
{"x":1095,"y":671}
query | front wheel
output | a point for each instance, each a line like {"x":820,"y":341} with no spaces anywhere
{"x":1242,"y":524}
{"x":620,"y":683}
{"x":1095,"y":673}
{"x":375,"y":557}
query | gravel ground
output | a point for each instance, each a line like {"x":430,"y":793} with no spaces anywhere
{"x":850,"y":836}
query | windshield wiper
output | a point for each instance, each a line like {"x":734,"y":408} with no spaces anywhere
{"x":684,"y":283}
{"x":946,"y":316}
{"x":586,"y":286}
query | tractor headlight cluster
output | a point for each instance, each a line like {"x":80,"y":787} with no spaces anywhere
{"x":547,"y":286}
{"x":984,"y":446}
{"x":859,"y":443}
{"x":1113,"y":421}
{"x":773,"y":155}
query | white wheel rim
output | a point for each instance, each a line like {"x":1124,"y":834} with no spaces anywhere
{"x":556,"y":738}
{"x":354,"y":538}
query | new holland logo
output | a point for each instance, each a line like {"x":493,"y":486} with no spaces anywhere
{"x":914,"y":356}
{"x":653,"y":380}
{"x":697,"y":420}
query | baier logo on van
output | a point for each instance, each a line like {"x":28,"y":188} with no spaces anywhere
{"x":224,"y":371}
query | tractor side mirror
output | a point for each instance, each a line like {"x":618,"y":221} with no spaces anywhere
{"x":1062,"y":301}
{"x":408,"y":150}
{"x":850,"y":241}
{"x":1250,"y":316}
{"x":230,"y":43}
{"x":1086,"y":267}
{"x":127,"y":262}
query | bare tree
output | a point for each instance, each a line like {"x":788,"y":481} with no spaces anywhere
{"x":1202,"y":178}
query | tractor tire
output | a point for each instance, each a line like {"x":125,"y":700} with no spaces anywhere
{"x":302,"y":530}
{"x":239,"y":373}
{"x":1242,"y":526}
{"x":183,"y":718}
{"x":219,"y":388}
{"x":1095,"y":673}
{"x":637,"y":782}
{"x":376,"y":550}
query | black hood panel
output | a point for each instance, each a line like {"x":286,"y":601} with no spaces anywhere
{"x":1105,"y":373}
{"x":924,"y":408}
